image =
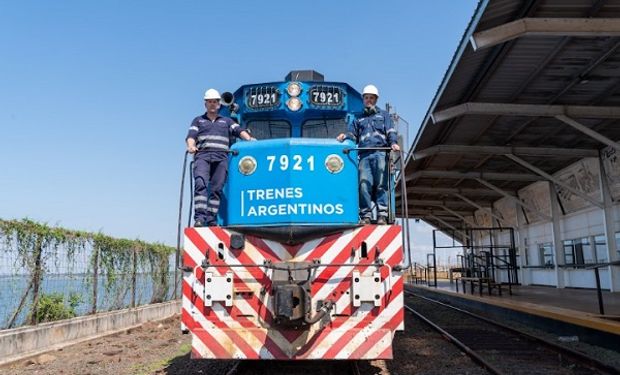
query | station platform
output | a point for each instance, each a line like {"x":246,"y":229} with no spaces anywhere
{"x":562,"y":311}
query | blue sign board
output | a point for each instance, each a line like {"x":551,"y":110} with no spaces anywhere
{"x":300,"y":181}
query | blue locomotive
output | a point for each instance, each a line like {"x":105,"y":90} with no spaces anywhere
{"x":290,"y":273}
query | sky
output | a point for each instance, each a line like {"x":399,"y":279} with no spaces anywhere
{"x":96,"y":96}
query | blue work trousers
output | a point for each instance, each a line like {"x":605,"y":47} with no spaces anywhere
{"x":209,"y":179}
{"x":373,"y":185}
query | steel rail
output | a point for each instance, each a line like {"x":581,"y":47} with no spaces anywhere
{"x":583,"y":358}
{"x":466,"y":349}
{"x":234,"y":369}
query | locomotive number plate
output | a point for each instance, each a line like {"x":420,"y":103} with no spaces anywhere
{"x":263,"y":97}
{"x":326,"y":96}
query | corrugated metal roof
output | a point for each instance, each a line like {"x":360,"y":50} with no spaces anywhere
{"x":526,"y":70}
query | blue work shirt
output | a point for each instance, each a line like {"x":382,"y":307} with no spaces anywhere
{"x":213,"y":137}
{"x":372,"y":130}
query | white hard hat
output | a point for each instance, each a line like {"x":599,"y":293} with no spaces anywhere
{"x":370,"y":89}
{"x":212,"y":94}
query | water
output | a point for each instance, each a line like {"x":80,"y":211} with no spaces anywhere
{"x":12,"y":289}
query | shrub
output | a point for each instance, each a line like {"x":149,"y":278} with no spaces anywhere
{"x":51,"y":307}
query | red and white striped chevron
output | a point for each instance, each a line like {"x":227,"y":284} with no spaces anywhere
{"x":244,"y":329}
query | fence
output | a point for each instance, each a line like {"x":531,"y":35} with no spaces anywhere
{"x":50,"y":273}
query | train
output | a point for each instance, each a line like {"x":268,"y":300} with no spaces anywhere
{"x":289,"y":272}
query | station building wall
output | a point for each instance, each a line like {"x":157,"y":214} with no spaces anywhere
{"x":581,"y":241}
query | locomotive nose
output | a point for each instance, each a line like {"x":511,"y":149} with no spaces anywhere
{"x":294,"y":189}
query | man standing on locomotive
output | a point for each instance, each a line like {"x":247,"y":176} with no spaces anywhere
{"x":208,"y":139}
{"x":373,"y":129}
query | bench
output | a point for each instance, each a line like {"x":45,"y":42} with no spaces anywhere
{"x":481,"y":281}
{"x":417,"y":279}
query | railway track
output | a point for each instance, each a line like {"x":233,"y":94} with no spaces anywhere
{"x":501,"y":349}
{"x":295,"y":367}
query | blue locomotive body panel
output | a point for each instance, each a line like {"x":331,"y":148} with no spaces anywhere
{"x":291,"y":183}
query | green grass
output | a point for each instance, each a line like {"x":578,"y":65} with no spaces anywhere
{"x":148,"y":368}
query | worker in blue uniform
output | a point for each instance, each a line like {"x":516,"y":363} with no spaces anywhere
{"x":373,"y":129}
{"x":209,"y":140}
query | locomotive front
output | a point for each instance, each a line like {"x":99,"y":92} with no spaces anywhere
{"x":289,"y":273}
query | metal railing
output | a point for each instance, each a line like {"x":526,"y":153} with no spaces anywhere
{"x":597,"y":276}
{"x":404,"y":205}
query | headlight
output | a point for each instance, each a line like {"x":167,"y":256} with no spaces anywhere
{"x":247,"y":165}
{"x":334,"y":163}
{"x":293,"y":89}
{"x":294,"y":104}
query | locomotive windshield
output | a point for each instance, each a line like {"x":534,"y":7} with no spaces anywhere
{"x":323,"y":128}
{"x":269,"y":129}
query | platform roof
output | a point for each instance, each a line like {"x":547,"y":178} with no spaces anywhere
{"x":533,"y":87}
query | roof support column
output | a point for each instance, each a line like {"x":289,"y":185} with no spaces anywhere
{"x":591,"y":133}
{"x":513,"y":198}
{"x":610,"y":229}
{"x":524,"y":273}
{"x":465,"y":199}
{"x":496,"y":241}
{"x":549,"y":177}
{"x":558,"y":248}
